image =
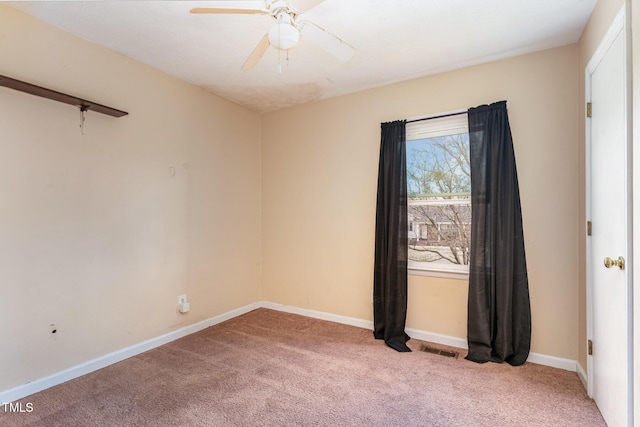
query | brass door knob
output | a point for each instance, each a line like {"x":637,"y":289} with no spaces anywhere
{"x":608,"y":262}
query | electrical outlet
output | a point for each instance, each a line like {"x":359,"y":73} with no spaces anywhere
{"x":183,"y":305}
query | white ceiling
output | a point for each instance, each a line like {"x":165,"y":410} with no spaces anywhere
{"x":395,"y":40}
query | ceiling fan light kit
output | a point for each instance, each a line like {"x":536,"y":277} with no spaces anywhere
{"x":285,"y":34}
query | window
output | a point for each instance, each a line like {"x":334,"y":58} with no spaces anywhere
{"x":439,"y":189}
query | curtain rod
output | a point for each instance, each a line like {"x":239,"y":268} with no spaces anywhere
{"x":438,"y":117}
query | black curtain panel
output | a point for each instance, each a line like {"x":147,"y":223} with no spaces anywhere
{"x":499,"y":314}
{"x":391,"y":245}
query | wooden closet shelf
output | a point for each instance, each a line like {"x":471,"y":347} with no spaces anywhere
{"x":83,"y":104}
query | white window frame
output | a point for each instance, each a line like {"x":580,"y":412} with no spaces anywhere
{"x":452,"y":123}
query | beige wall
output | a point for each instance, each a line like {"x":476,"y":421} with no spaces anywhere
{"x":319,"y":194}
{"x":97,"y":236}
{"x":601,"y":18}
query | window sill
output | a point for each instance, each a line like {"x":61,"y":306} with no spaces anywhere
{"x":460,"y":275}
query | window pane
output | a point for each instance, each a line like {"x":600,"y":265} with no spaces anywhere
{"x":439,"y":215}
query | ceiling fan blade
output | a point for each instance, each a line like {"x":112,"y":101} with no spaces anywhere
{"x":302,"y":6}
{"x":257,"y":53}
{"x":235,"y":7}
{"x":327,"y":41}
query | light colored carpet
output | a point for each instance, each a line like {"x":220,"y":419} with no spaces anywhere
{"x":268,"y":368}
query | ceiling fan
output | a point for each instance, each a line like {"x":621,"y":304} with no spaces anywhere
{"x":289,"y":26}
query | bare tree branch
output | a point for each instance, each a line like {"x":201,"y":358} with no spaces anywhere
{"x":438,"y":171}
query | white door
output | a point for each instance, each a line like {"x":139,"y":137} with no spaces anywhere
{"x":610,"y":362}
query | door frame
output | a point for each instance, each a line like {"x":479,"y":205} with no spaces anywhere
{"x":618,"y":25}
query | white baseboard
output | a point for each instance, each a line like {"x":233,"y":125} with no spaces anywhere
{"x":25,"y":390}
{"x":28,"y":389}
{"x":361,"y":323}
{"x":437,"y":338}
{"x":553,"y":361}
{"x":541,"y":359}
{"x":582,"y":374}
